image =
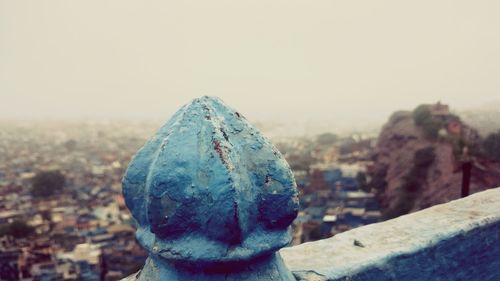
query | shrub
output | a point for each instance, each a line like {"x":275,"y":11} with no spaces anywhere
{"x":17,"y":229}
{"x":326,"y":139}
{"x":430,"y":125}
{"x":48,"y":183}
{"x":491,"y":146}
{"x":421,"y":115}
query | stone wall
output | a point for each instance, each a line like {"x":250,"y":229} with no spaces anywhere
{"x":459,"y":240}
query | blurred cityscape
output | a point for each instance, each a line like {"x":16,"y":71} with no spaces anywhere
{"x":62,"y":215}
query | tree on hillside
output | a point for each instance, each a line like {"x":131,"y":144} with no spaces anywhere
{"x":491,"y":146}
{"x":421,"y":115}
{"x":430,"y":125}
{"x":326,"y":139}
{"x":70,"y":145}
{"x":17,"y":229}
{"x":47,"y":183}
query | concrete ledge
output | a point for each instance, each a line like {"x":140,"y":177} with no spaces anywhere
{"x":459,"y":240}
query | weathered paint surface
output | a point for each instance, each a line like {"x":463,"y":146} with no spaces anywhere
{"x":211,"y":196}
{"x":459,"y":240}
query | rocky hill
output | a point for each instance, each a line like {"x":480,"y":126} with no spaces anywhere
{"x":418,"y":160}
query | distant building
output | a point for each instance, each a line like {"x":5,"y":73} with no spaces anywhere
{"x":439,"y":109}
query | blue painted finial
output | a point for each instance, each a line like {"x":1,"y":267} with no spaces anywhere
{"x":212,"y":198}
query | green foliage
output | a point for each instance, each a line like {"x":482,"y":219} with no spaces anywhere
{"x":48,"y":183}
{"x":421,"y":115}
{"x":70,"y":145}
{"x":491,"y":146}
{"x":430,"y":125}
{"x":327,"y":139}
{"x":17,"y":229}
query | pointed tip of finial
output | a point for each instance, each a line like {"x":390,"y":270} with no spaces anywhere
{"x":207,"y":98}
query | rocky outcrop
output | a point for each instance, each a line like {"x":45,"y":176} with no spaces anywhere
{"x":402,"y":184}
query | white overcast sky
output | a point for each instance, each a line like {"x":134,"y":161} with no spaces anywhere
{"x":358,"y":60}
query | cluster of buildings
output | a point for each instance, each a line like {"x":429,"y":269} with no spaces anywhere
{"x":83,"y":233}
{"x":331,"y":202}
{"x":332,"y":196}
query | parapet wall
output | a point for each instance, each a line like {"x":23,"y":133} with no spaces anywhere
{"x":459,"y":240}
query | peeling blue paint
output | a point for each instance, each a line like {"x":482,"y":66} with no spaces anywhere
{"x":209,"y":191}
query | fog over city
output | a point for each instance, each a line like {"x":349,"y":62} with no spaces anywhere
{"x":360,"y":137}
{"x":337,"y":61}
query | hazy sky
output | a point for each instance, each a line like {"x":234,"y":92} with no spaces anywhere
{"x":356,"y":60}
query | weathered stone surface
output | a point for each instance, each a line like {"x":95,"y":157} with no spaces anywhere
{"x":211,"y":196}
{"x":459,"y":240}
{"x":397,"y":143}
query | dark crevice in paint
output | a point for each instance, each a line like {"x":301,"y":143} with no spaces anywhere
{"x":268,"y":179}
{"x":224,"y":134}
{"x":169,"y":252}
{"x":237,"y":236}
